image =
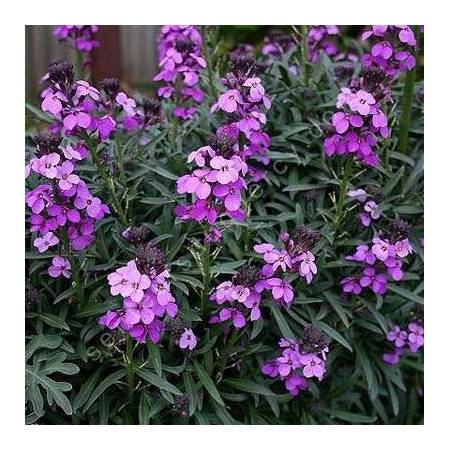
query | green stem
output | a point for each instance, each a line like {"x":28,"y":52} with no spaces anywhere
{"x":130,"y":368}
{"x":107,"y":180}
{"x":209,"y":63}
{"x":408,"y":93}
{"x":305,"y":52}
{"x":206,"y":277}
{"x":342,"y":193}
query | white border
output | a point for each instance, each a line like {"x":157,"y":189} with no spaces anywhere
{"x":224,"y":12}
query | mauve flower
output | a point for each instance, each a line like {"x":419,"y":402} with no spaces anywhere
{"x":138,"y":284}
{"x":397,"y":336}
{"x":231,"y":193}
{"x":76,"y":117}
{"x":376,"y":281}
{"x":237,"y":318}
{"x":313,"y":366}
{"x":342,"y":121}
{"x":415,"y":336}
{"x":84,"y":89}
{"x":382,"y":49}
{"x":198,"y":183}
{"x":230,"y":100}
{"x":43,"y":243}
{"x":270,"y":369}
{"x":382,"y":249}
{"x":127,"y":103}
{"x":226,"y":171}
{"x":199,"y":155}
{"x":295,"y":383}
{"x":118,"y":281}
{"x":187,"y":339}
{"x":48,"y":165}
{"x":358,"y":194}
{"x":403,"y":248}
{"x":392,"y":358}
{"x":223,"y":292}
{"x":256,"y":89}
{"x":110,"y":320}
{"x":60,"y":266}
{"x":67,"y":179}
{"x":281,"y":290}
{"x":138,"y":312}
{"x":350,"y":285}
{"x":361,"y":102}
{"x":307,"y":266}
{"x":52,"y":102}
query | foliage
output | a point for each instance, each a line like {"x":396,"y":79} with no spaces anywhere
{"x":86,"y":373}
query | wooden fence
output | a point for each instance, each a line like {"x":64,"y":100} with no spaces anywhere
{"x":127,"y":52}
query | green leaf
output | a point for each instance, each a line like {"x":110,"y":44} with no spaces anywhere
{"x":405,"y":293}
{"x":109,"y":381}
{"x":38,"y":377}
{"x":160,"y":171}
{"x":157,"y":381}
{"x":248,"y":386}
{"x":368,"y":371}
{"x":282,"y":323}
{"x":208,"y":383}
{"x":352,"y":417}
{"x":155,"y":357}
{"x":86,"y":390}
{"x":334,"y":334}
{"x":54,"y":321}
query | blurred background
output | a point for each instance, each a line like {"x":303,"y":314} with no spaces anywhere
{"x":125,"y":52}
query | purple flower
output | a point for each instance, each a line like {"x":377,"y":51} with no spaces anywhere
{"x":382,"y":249}
{"x":198,"y":183}
{"x":361,"y":102}
{"x":392,"y":358}
{"x":415,"y":336}
{"x":52,"y":102}
{"x":307,"y":266}
{"x":66,"y":178}
{"x":226,"y":170}
{"x":313,"y":366}
{"x":127,"y":103}
{"x":342,"y":121}
{"x":397,"y":336}
{"x":187,"y":340}
{"x":350,"y":285}
{"x":230,"y":100}
{"x":281,"y":290}
{"x":256,"y":89}
{"x":358,"y":194}
{"x":295,"y":383}
{"x":376,"y":281}
{"x":48,"y":240}
{"x":60,"y":266}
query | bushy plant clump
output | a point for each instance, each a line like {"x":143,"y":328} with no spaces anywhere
{"x":243,"y":247}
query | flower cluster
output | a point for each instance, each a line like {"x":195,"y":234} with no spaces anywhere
{"x":383,"y":258}
{"x":80,"y":37}
{"x":370,"y":207}
{"x":322,"y":38}
{"x":360,"y":119}
{"x":276,"y":44}
{"x":182,"y":336}
{"x":145,"y":287}
{"x":391,"y":49}
{"x":219,"y":179}
{"x":79,"y":108}
{"x":411,"y":337}
{"x":299,"y":361}
{"x":63,"y":208}
{"x":181,"y":62}
{"x":240,"y":299}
